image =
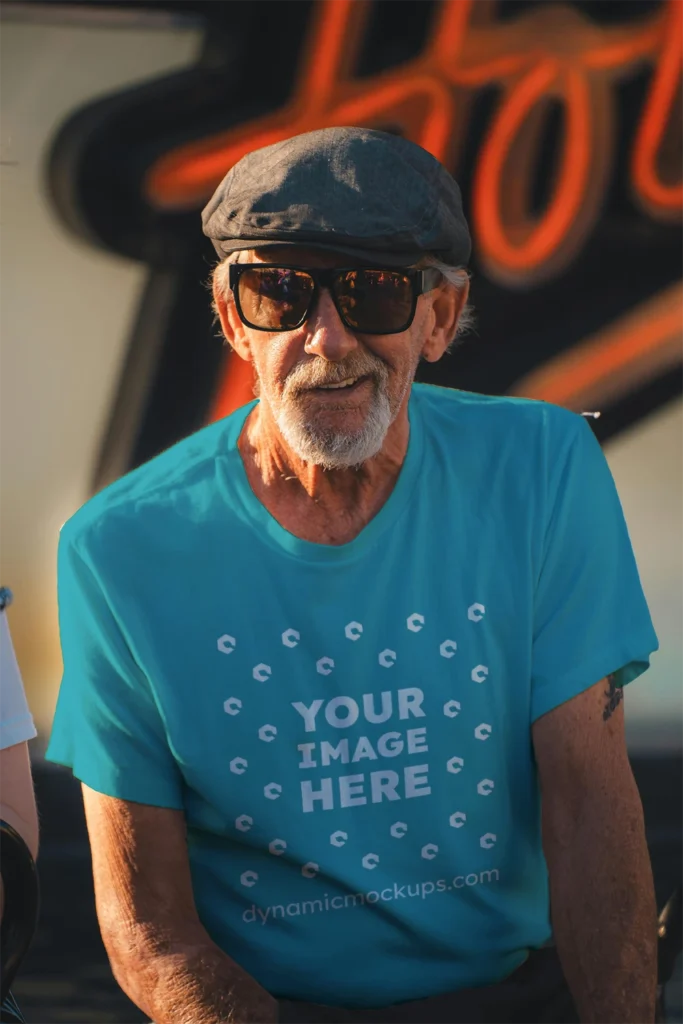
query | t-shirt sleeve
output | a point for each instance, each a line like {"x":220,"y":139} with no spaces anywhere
{"x":16,"y":721}
{"x":590,"y":614}
{"x":108,"y":727}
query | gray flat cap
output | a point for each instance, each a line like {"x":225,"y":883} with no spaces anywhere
{"x":364,"y":193}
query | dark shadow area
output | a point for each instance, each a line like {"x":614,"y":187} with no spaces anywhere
{"x":66,"y":975}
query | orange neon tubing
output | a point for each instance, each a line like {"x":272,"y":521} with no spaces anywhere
{"x":185,"y":174}
{"x":554,"y":225}
{"x":368,"y":106}
{"x":322,"y":98}
{"x":188,"y":172}
{"x":181,"y":173}
{"x":450,"y":31}
{"x":655,"y":117}
{"x":327,"y":51}
{"x":622,"y":53}
{"x":485,"y":74}
{"x":565,"y":379}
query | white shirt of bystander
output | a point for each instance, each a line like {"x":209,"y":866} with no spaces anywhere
{"x":16,"y":721}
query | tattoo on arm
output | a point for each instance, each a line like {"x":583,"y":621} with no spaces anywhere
{"x":614,"y":696}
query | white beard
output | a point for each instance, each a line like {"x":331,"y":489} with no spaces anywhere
{"x":334,"y":449}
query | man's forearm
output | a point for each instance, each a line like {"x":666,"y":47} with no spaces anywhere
{"x":604,"y":913}
{"x":192,"y":984}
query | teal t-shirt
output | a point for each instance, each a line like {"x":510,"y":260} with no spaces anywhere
{"x":347,"y":728}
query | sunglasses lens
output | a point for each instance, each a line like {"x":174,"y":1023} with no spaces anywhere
{"x":275,"y":298}
{"x":375,"y":301}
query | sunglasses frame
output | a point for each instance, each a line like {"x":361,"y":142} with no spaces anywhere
{"x":421,"y":280}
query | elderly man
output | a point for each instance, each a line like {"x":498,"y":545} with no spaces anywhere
{"x":343,"y":672}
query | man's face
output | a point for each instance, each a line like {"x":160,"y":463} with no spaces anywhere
{"x":332,"y":427}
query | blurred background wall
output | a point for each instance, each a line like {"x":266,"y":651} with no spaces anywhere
{"x":80,"y":405}
{"x":65,"y":308}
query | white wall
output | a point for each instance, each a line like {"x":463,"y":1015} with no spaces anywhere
{"x":647,"y":464}
{"x":65,"y":312}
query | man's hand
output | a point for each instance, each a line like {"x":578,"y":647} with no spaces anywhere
{"x":601,"y":890}
{"x":160,"y":953}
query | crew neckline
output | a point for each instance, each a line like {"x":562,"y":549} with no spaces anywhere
{"x":275,"y":535}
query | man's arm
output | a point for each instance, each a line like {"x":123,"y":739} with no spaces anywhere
{"x":601,"y":889}
{"x":160,"y":953}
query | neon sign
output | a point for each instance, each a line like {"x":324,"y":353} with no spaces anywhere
{"x":550,"y":53}
{"x":635,"y":349}
{"x":124,"y":175}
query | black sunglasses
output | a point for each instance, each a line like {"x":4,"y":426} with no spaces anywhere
{"x":272,"y":297}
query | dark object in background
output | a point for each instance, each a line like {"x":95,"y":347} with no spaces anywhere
{"x":669,"y":947}
{"x":20,"y":911}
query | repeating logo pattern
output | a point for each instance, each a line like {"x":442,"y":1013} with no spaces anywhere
{"x":340,"y":712}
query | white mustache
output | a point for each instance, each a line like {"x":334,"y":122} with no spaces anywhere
{"x":301,"y":379}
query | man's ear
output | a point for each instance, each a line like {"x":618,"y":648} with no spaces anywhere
{"x":447,"y":306}
{"x":231,"y":325}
